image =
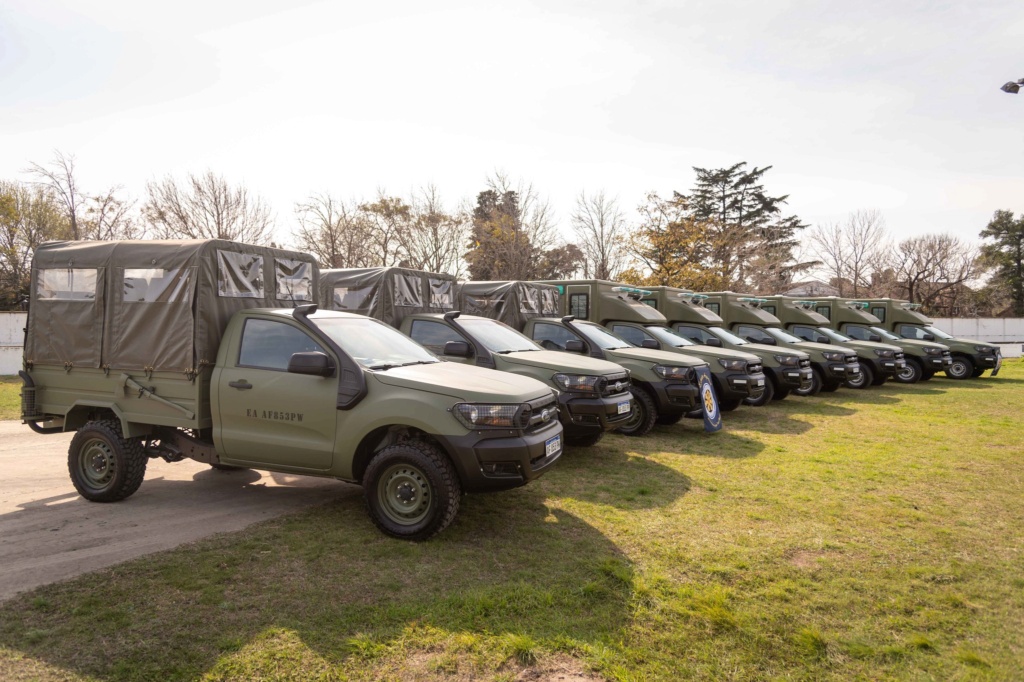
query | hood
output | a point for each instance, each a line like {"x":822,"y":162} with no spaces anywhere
{"x":560,"y":361}
{"x":973,"y":342}
{"x":464,"y":382}
{"x":918,"y":343}
{"x":703,"y":351}
{"x":874,"y":345}
{"x":658,"y":357}
{"x":824,"y":347}
{"x":775,"y":350}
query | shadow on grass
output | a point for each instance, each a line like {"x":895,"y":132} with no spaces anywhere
{"x":508,"y":566}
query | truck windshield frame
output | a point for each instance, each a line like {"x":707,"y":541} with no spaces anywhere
{"x":886,"y":335}
{"x":937,"y":333}
{"x":372,"y":344}
{"x":834,"y":335}
{"x":727,"y":336}
{"x":601,"y":337}
{"x":784,"y":336}
{"x":666,"y":335}
{"x":498,"y":337}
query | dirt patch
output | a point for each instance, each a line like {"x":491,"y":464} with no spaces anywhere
{"x":557,"y":669}
{"x":806,"y":558}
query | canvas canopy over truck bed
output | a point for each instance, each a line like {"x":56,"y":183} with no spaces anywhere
{"x":387,"y":294}
{"x":512,"y":302}
{"x":150,"y":309}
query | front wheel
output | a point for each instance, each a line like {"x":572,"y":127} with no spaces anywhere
{"x":411,"y":491}
{"x":962,"y":368}
{"x":814,"y":388}
{"x":641,"y":419}
{"x":865,"y":378}
{"x":729,"y":404}
{"x":978,"y":371}
{"x":104,"y":465}
{"x":766,"y":397}
{"x":911,"y":373}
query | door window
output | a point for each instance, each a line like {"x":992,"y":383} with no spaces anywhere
{"x":433,"y":335}
{"x":856,"y":331}
{"x":579,"y":306}
{"x":755,"y":334}
{"x":634,"y":335}
{"x":804,"y":332}
{"x":695,"y":334}
{"x":268,"y":344}
{"x":553,"y":336}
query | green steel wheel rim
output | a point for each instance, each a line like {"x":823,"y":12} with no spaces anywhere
{"x":404,"y":493}
{"x":97,"y":464}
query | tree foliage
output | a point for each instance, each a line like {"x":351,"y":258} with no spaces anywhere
{"x":850,"y":252}
{"x":207,"y":207}
{"x":600,"y":229}
{"x":29,"y":216}
{"x":1005,"y":255}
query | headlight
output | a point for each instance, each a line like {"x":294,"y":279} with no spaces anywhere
{"x":932,"y":350}
{"x":737,"y":365}
{"x":576,"y":383}
{"x":985,"y":349}
{"x":477,"y":415}
{"x":833,"y":356}
{"x":679,"y":373}
{"x":788,"y":360}
{"x":883,"y":353}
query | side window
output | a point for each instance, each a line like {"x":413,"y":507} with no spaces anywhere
{"x":634,"y":335}
{"x":239,"y":275}
{"x":156,"y":285}
{"x":695,"y":334}
{"x":755,"y":334}
{"x":553,"y":336}
{"x":408,"y":291}
{"x":713,"y":307}
{"x":66,"y":284}
{"x":824,"y":310}
{"x":579,"y":306}
{"x":909,"y":331}
{"x":855,"y":331}
{"x":770,"y":309}
{"x":433,"y":335}
{"x":653,"y":302}
{"x":267,"y":344}
{"x":805,"y":333}
{"x":879,"y":312}
{"x":294,"y":279}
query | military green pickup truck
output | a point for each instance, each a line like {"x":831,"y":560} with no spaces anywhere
{"x":215,"y":351}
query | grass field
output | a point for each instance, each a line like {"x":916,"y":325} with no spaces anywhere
{"x":10,"y":397}
{"x":857,"y":535}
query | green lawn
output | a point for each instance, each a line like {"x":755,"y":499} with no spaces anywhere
{"x":10,"y":397}
{"x":857,"y":535}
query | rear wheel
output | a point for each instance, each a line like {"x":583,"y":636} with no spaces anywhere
{"x":641,"y":419}
{"x":911,"y":373}
{"x":411,"y":491}
{"x":962,"y":368}
{"x":768,"y":395}
{"x":865,"y":378}
{"x":815,"y":387}
{"x":104,"y":465}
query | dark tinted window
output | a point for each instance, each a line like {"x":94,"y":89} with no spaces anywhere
{"x":770,"y":309}
{"x":910,"y":331}
{"x":695,"y":334}
{"x":804,"y":332}
{"x":553,"y":336}
{"x":825,"y":310}
{"x":579,"y":306}
{"x":433,"y":335}
{"x":755,"y":334}
{"x":879,"y":312}
{"x":856,"y":331}
{"x":267,"y":344}
{"x":713,"y":307}
{"x":634,"y":335}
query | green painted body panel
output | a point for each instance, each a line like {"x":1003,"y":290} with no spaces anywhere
{"x":896,"y":314}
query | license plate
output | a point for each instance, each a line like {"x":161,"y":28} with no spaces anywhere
{"x":552,"y":445}
{"x":760,"y":382}
{"x":855,"y":370}
{"x":623,"y":407}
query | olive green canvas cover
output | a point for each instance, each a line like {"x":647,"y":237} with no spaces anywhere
{"x":153,"y":305}
{"x":510,"y":301}
{"x":387,"y":294}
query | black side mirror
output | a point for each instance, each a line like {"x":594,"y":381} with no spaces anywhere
{"x":769,"y":342}
{"x":459,"y":349}
{"x":929,"y":337}
{"x":650,"y":343}
{"x":874,"y":337}
{"x":313,"y":363}
{"x":714,"y":342}
{"x":574,"y":346}
{"x":823,"y":339}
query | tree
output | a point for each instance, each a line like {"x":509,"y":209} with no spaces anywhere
{"x":851,"y":252}
{"x":388,"y":225}
{"x":436,"y":238}
{"x":932,"y":269}
{"x":560,"y":262}
{"x":1005,"y":254}
{"x":29,"y":215}
{"x":600,"y":229}
{"x":333,"y":231}
{"x":207,"y":207}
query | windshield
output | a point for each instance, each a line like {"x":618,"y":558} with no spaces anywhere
{"x":498,"y":337}
{"x":669,"y":337}
{"x":780,"y":335}
{"x":601,"y":337}
{"x":373,"y":344}
{"x":886,"y":336}
{"x":727,"y":336}
{"x":938,"y":333}
{"x":834,"y":335}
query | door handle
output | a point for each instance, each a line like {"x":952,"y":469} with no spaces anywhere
{"x":241,"y":384}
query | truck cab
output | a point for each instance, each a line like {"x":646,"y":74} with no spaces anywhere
{"x":922,"y":359}
{"x":785,"y":370}
{"x":832,"y":365}
{"x":809,"y":320}
{"x":969,"y":357}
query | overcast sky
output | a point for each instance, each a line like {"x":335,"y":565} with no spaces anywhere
{"x":888,"y":105}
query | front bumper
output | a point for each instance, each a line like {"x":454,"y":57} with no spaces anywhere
{"x":986,"y":361}
{"x":937,"y":362}
{"x":885,"y":366}
{"x":739,"y":385}
{"x":674,"y":397}
{"x":582,"y":416}
{"x":842,"y":370}
{"x":498,"y":460}
{"x":790,"y":378}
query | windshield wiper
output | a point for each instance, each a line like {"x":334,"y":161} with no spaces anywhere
{"x":418,"y":362}
{"x":383,"y":367}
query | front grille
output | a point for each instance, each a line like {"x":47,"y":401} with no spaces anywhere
{"x":613,"y":384}
{"x":851,"y":359}
{"x":947,"y":354}
{"x":532,"y":418}
{"x":754,"y":368}
{"x":898,"y":356}
{"x":805,"y":363}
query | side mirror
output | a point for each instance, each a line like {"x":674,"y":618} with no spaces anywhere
{"x":650,"y":343}
{"x":874,"y":337}
{"x":312,"y":363}
{"x":929,"y":337}
{"x":823,"y":339}
{"x":574,"y":346}
{"x":459,"y":349}
{"x":769,"y":342}
{"x":714,"y":342}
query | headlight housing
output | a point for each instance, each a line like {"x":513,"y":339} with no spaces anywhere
{"x":487,"y":415}
{"x":932,"y":350}
{"x":576,"y":383}
{"x":736,"y":365}
{"x":985,"y":349}
{"x":788,"y":360}
{"x":834,"y":356}
{"x":885,"y":353}
{"x":678,"y":373}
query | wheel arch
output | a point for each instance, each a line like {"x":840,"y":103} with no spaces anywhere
{"x":382,"y":436}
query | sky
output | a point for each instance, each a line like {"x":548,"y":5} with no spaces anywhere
{"x":893,"y":106}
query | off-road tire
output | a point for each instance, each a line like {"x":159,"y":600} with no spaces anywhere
{"x":978,"y":371}
{"x":642,"y":418}
{"x":880,"y":379}
{"x":816,"y":385}
{"x":729,"y":404}
{"x":962,"y":368}
{"x":927,"y":374}
{"x":411,"y":490}
{"x":670,"y":419}
{"x":781,"y":393}
{"x":766,"y":397}
{"x":911,"y":373}
{"x":831,"y":386}
{"x":103,"y":464}
{"x":584,"y":440}
{"x":864,"y":379}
